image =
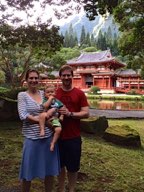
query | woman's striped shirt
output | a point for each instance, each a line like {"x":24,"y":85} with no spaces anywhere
{"x":28,"y":106}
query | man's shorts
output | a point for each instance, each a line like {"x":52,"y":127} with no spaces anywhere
{"x":70,"y":153}
{"x":56,"y":123}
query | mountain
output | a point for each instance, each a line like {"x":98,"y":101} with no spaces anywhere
{"x":93,"y":27}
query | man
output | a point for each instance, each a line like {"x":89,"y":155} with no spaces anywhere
{"x":76,"y":108}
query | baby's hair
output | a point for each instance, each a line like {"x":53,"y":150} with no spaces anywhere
{"x":47,"y":86}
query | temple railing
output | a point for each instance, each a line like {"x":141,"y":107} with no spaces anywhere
{"x":44,"y":82}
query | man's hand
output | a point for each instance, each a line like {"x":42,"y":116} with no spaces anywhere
{"x":64,"y":111}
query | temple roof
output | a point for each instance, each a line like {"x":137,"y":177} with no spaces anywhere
{"x":127,"y":72}
{"x":94,"y":58}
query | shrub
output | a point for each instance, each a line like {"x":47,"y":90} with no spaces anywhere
{"x":94,"y":90}
{"x":2,"y":77}
{"x":90,"y":49}
{"x":10,"y":93}
{"x":133,"y":92}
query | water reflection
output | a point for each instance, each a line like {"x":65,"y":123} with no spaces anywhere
{"x":116,"y":105}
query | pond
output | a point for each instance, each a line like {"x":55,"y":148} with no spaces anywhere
{"x":116,"y":105}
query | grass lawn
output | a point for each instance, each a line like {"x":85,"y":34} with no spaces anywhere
{"x":105,"y":167}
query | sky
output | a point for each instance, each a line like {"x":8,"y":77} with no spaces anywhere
{"x":44,"y":14}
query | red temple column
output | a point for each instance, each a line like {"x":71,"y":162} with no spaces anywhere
{"x":83,"y":84}
{"x":138,"y":84}
{"x":109,"y":85}
{"x":103,"y":82}
{"x":129,"y":84}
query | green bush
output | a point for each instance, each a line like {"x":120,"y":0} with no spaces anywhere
{"x":90,"y":49}
{"x":3,"y":89}
{"x":2,"y":77}
{"x":133,"y":92}
{"x":94,"y":90}
{"x":10,"y":93}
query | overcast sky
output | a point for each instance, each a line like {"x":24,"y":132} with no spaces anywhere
{"x":37,"y":11}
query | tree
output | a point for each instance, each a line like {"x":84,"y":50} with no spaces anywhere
{"x":114,"y":47}
{"x":70,"y":38}
{"x":2,"y":77}
{"x":111,"y":41}
{"x":142,"y":72}
{"x":130,"y":16}
{"x":75,"y":39}
{"x":90,"y":49}
{"x":92,"y":7}
{"x":57,"y":61}
{"x":69,"y":53}
{"x":66,"y":39}
{"x":95,"y":7}
{"x":24,"y":46}
{"x":88,"y":42}
{"x":83,"y":36}
{"x":101,"y":41}
{"x":93,"y":41}
{"x":109,"y":36}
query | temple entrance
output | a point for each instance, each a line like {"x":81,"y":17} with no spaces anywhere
{"x":114,"y":82}
{"x":88,"y":80}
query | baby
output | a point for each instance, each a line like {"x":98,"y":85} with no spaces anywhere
{"x":51,"y":106}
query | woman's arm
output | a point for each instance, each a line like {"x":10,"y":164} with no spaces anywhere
{"x":23,"y":114}
{"x":22,"y":110}
{"x":33,"y":119}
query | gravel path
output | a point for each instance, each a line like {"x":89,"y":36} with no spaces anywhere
{"x":117,"y":114}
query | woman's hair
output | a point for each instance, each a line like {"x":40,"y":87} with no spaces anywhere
{"x":30,"y":71}
{"x":65,"y":67}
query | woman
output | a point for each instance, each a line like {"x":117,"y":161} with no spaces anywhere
{"x":37,"y":159}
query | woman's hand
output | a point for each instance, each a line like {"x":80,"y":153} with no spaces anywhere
{"x":33,"y":119}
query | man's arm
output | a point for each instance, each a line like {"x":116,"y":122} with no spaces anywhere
{"x":83,"y":113}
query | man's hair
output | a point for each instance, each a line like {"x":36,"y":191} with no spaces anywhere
{"x":65,"y":67}
{"x":30,"y":71}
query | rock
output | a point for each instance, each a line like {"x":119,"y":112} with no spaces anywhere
{"x":122,"y":135}
{"x":8,"y":110}
{"x":2,"y":144}
{"x":95,"y":125}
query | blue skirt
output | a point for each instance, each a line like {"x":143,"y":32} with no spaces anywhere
{"x":38,"y":160}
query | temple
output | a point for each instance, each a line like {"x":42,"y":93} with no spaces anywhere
{"x":103,"y":70}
